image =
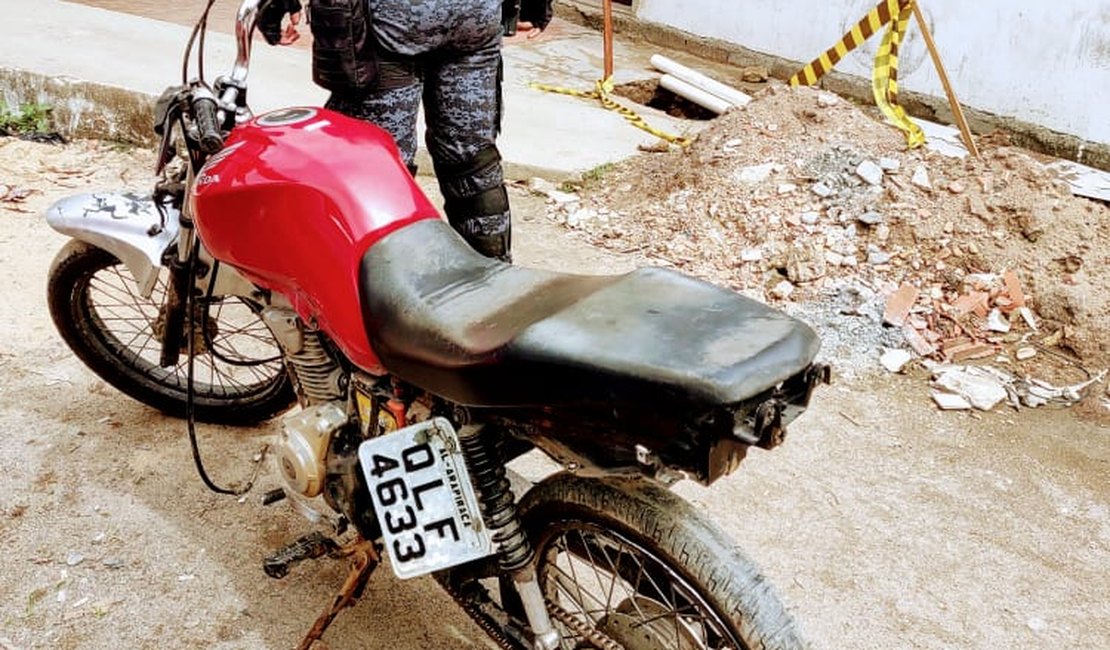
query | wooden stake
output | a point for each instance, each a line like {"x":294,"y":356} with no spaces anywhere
{"x":608,"y":34}
{"x":953,"y":102}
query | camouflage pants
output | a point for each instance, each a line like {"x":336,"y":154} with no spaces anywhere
{"x":461,"y":94}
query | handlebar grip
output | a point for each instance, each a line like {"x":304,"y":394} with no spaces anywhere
{"x":208,"y":128}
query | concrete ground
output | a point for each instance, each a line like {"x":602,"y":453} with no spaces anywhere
{"x":883,"y":522}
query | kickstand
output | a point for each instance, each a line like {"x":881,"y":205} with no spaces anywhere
{"x":364,"y":559}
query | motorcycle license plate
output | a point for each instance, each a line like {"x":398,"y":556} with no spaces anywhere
{"x":422,"y":495}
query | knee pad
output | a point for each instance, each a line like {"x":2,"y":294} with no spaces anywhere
{"x":488,"y":203}
{"x":479,"y":213}
{"x":465,"y":186}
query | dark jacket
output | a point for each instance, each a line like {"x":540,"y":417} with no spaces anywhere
{"x":349,"y":36}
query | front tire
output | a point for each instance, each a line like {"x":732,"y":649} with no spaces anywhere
{"x":628,"y":562}
{"x":239,"y":374}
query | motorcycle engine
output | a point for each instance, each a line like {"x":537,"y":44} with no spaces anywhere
{"x":303,"y":445}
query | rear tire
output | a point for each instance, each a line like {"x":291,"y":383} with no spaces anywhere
{"x":641,"y":534}
{"x":96,"y":306}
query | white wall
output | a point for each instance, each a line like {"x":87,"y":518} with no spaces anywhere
{"x":1041,"y":61}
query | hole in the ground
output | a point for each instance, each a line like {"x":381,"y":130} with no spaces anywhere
{"x":649,"y":93}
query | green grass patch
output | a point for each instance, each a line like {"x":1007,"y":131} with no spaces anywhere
{"x":595,"y":175}
{"x":27,"y":120}
{"x":588,"y":178}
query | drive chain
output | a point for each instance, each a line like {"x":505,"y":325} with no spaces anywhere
{"x":588,"y":633}
{"x":474,"y":611}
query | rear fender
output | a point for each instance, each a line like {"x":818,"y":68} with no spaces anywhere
{"x":126,"y":225}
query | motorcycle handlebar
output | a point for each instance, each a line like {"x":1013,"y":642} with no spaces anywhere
{"x":245,"y":21}
{"x":207,"y":110}
{"x":208,"y":126}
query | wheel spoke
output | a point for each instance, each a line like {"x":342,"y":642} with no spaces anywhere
{"x":593,"y":565}
{"x":240,"y":359}
{"x":626,"y":588}
{"x":580,"y":602}
{"x":565,"y":581}
{"x":616,"y":575}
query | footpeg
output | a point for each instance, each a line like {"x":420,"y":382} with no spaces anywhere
{"x":273,"y":496}
{"x":309,"y":547}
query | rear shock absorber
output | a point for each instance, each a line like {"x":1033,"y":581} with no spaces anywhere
{"x":487,"y":472}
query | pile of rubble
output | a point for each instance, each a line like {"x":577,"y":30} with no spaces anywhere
{"x":989,"y":320}
{"x":802,"y":194}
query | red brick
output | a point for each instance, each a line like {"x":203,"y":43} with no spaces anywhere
{"x":975,"y":302}
{"x":1013,"y":288}
{"x":899,"y":304}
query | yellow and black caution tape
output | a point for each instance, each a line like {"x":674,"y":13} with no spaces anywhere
{"x":601,"y":92}
{"x":884,"y":76}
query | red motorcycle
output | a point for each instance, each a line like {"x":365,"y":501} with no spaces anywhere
{"x":291,"y":257}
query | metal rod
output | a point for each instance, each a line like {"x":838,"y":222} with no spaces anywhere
{"x":953,"y":101}
{"x":608,"y":34}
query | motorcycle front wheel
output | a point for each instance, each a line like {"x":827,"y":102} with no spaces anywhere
{"x":624,"y":563}
{"x":239,"y":374}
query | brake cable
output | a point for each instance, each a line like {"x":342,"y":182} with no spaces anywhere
{"x":201,"y":29}
{"x":190,"y":397}
{"x":198,"y":29}
{"x":208,"y":301}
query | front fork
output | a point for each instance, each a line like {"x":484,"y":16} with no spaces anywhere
{"x":177,"y":294}
{"x":193,"y":271}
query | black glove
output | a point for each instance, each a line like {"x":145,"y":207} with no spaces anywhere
{"x":537,"y":12}
{"x":273,"y":12}
{"x":510,"y":13}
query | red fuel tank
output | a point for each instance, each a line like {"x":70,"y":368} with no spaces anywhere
{"x":294,"y":200}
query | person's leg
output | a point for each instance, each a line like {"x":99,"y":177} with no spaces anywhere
{"x":392,"y":104}
{"x":462,"y":105}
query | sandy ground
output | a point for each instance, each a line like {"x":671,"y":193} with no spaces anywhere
{"x":885,"y":523}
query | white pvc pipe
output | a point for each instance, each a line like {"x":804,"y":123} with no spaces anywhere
{"x":694,"y":94}
{"x":700,"y":81}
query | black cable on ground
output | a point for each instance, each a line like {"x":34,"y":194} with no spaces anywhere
{"x":190,"y":395}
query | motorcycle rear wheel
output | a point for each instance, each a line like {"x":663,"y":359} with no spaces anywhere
{"x":239,"y":375}
{"x":628,"y":562}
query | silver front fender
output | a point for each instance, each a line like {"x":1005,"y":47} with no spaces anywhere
{"x":124,"y":224}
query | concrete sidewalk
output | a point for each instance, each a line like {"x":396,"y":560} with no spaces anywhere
{"x":102,"y":68}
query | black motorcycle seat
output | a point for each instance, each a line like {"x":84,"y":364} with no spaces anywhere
{"x":480,"y":332}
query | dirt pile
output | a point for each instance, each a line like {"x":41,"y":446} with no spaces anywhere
{"x":802,"y":193}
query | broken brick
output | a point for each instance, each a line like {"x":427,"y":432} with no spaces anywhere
{"x":955,"y":343}
{"x":969,"y":351}
{"x":917,"y":342}
{"x":899,"y":305}
{"x":1013,"y":288}
{"x":975,"y":302}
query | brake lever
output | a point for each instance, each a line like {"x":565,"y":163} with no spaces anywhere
{"x":168,"y":111}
